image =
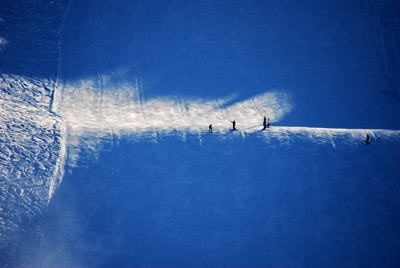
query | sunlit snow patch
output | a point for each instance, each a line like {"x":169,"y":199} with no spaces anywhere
{"x":117,"y":108}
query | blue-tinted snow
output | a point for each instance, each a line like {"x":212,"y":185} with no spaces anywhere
{"x":177,"y":196}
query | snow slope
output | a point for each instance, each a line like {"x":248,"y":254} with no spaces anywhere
{"x":120,"y":94}
{"x":148,"y":186}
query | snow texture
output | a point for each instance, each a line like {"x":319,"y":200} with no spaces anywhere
{"x":32,"y":145}
{"x":31,"y":155}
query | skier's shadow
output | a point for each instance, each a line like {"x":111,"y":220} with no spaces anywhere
{"x":264,"y":129}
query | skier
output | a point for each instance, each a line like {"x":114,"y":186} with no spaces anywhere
{"x":233,"y":125}
{"x":210,"y":128}
{"x":265,"y":123}
{"x":367,"y":140}
{"x":268,"y":123}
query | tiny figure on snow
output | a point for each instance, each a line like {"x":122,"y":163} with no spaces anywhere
{"x":264,"y":123}
{"x":233,"y":125}
{"x":367,"y":141}
{"x":210,"y":128}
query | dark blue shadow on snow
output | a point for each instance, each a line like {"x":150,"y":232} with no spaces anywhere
{"x":231,"y":203}
{"x":338,"y":60}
